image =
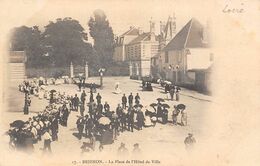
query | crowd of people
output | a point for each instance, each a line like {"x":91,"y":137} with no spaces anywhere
{"x":96,"y":119}
{"x":44,"y":126}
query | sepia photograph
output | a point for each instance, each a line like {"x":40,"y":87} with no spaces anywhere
{"x":125,"y":82}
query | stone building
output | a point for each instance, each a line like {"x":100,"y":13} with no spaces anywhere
{"x":16,"y":64}
{"x":140,"y":51}
{"x":187,"y":53}
{"x":121,"y":42}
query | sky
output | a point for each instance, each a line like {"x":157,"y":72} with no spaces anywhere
{"x":121,"y":13}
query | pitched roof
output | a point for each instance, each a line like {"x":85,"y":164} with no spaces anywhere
{"x":131,"y":31}
{"x":144,"y":37}
{"x":190,"y":36}
{"x":140,"y":38}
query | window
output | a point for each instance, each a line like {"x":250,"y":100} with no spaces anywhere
{"x":166,"y":56}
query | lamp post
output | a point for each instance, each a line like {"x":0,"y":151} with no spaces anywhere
{"x":101,"y":73}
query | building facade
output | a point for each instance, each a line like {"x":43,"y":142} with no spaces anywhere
{"x":17,"y":60}
{"x":121,"y":42}
{"x":186,"y":54}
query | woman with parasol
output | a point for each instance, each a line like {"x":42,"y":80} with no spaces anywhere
{"x":174,"y":115}
{"x":165,"y":113}
{"x":159,"y":107}
{"x":180,"y":107}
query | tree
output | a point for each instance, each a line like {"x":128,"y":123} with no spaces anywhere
{"x":103,"y":36}
{"x":66,"y":42}
{"x":28,"y":39}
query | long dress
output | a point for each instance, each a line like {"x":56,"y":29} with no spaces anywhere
{"x":179,"y":118}
{"x":117,"y":89}
{"x":184,"y":118}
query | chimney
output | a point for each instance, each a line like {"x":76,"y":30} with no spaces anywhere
{"x":162,"y":27}
{"x":152,"y":26}
{"x":173,"y":24}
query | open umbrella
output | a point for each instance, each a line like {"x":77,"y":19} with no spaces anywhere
{"x":138,"y":105}
{"x":52,"y":91}
{"x":153,"y":104}
{"x":181,"y":106}
{"x":104,"y":120}
{"x":150,"y":109}
{"x":160,"y":99}
{"x":43,"y":86}
{"x":165,"y":105}
{"x":17,"y":123}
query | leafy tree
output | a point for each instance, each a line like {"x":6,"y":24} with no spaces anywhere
{"x":28,"y":39}
{"x":103,"y":36}
{"x":66,"y":42}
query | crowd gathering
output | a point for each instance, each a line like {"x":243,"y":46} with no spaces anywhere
{"x":96,"y":119}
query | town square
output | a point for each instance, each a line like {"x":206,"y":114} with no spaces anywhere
{"x":96,"y":89}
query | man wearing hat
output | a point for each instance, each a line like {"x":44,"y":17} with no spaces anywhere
{"x":130,"y":99}
{"x":80,"y":126}
{"x":81,"y":108}
{"x":130,"y":118}
{"x":122,"y":150}
{"x":189,"y":141}
{"x":136,"y":150}
{"x":47,"y":141}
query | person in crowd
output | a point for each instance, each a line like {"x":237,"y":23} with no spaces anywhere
{"x":91,"y":97}
{"x":65,"y":115}
{"x":177,"y":93}
{"x":130,"y":118}
{"x":106,"y":107}
{"x":124,"y":101}
{"x":26,"y":104}
{"x":83,"y":97}
{"x":93,"y":141}
{"x":137,"y":99}
{"x":164,"y":115}
{"x":54,"y":128}
{"x":140,"y":119}
{"x":136,"y":151}
{"x":101,"y":147}
{"x":172,"y":92}
{"x":80,"y":85}
{"x":80,"y":126}
{"x":47,"y":141}
{"x":122,"y":150}
{"x":189,"y":141}
{"x":81,"y":108}
{"x":159,"y":109}
{"x":123,"y":120}
{"x":99,"y":111}
{"x":175,"y":115}
{"x":71,"y":103}
{"x":91,"y":109}
{"x":130,"y":99}
{"x":88,"y":126}
{"x":76,"y":102}
{"x":119,"y":113}
{"x":98,"y":97}
{"x":115,"y":126}
{"x":184,"y":118}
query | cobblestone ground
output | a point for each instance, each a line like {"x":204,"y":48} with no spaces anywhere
{"x":166,"y":139}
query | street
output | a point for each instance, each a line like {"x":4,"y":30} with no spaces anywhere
{"x":166,"y":139}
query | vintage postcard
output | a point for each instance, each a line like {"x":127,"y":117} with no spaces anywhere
{"x":130,"y":82}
